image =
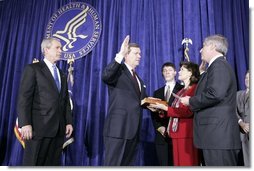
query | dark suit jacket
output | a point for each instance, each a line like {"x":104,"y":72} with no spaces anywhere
{"x":39,"y":102}
{"x":243,"y":110}
{"x":163,"y":121}
{"x":124,"y":112}
{"x":243,"y":106}
{"x":214,"y":103}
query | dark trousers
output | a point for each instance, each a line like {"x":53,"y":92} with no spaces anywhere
{"x":220,"y":157}
{"x":120,"y":152}
{"x":164,"y":150}
{"x":43,"y":152}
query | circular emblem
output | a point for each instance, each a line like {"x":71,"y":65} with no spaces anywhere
{"x":78,"y":26}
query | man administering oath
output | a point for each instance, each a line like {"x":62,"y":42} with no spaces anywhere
{"x":216,"y":130}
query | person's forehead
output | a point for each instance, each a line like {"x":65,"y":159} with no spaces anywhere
{"x":135,"y":49}
{"x":168,"y":68}
{"x":184,"y":67}
{"x":55,"y":42}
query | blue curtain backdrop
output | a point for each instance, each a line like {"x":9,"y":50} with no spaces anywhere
{"x":157,"y":25}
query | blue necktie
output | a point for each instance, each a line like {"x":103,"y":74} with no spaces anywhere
{"x":56,"y":77}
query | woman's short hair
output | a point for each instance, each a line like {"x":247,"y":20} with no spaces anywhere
{"x":194,"y":69}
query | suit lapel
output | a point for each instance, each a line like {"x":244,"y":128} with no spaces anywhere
{"x":246,"y":97}
{"x":129,"y":75}
{"x":200,"y":84}
{"x":176,"y":88}
{"x":204,"y":75}
{"x":161,"y":93}
{"x":63,"y":80}
{"x":48,"y":75}
{"x":142,"y":88}
{"x":201,"y":78}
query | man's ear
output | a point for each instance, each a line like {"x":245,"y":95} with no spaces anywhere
{"x":46,"y":50}
{"x":212,"y":46}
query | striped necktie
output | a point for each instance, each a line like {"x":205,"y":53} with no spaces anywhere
{"x":168,"y":93}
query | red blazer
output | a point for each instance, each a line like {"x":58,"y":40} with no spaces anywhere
{"x":184,"y":115}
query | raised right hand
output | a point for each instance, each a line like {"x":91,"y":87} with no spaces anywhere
{"x":124,"y":46}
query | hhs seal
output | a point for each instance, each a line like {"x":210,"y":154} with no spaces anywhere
{"x":78,"y":27}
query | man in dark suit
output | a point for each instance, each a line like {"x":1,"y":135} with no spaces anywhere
{"x":126,"y":90}
{"x":216,"y":131}
{"x":43,"y":108}
{"x":163,"y":142}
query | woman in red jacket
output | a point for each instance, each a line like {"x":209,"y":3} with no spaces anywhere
{"x":181,"y":118}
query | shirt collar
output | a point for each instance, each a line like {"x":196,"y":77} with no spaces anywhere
{"x":214,"y":58}
{"x":129,"y":67}
{"x":48,"y":63}
{"x":171,"y":83}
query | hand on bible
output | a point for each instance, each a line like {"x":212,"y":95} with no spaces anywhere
{"x":159,"y":106}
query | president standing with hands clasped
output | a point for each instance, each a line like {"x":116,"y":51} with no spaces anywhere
{"x":44,"y":109}
{"x":216,"y":130}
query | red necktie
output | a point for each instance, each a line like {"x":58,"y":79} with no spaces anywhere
{"x":135,"y":80}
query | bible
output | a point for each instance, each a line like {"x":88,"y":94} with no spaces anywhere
{"x":151,"y":100}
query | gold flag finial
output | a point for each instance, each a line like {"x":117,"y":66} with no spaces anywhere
{"x":186,"y":42}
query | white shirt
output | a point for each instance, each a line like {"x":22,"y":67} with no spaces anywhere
{"x":214,"y":58}
{"x":171,"y":84}
{"x":130,"y":69}
{"x":50,"y":66}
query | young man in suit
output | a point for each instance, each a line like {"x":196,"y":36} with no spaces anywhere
{"x":163,"y":143}
{"x":126,"y":90}
{"x":43,"y":108}
{"x":216,"y":131}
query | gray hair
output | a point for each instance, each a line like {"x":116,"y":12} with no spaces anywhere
{"x":46,"y":43}
{"x":219,"y":41}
